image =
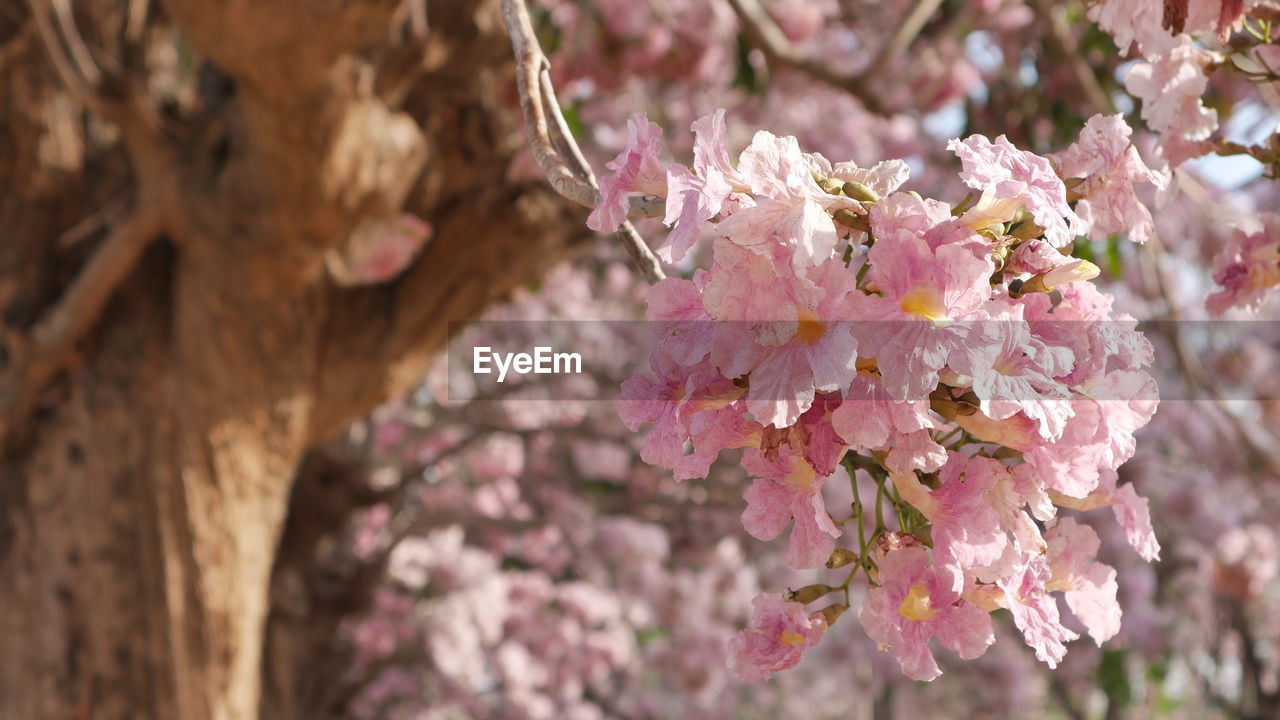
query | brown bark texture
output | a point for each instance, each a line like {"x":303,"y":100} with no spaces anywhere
{"x":173,"y":177}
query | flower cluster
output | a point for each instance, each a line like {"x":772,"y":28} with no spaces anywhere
{"x":1171,"y":77}
{"x":1248,"y":268}
{"x":954,"y":360}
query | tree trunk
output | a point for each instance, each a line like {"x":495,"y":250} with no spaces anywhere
{"x":146,"y":482}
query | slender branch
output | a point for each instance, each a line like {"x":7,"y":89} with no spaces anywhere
{"x":1068,"y":50}
{"x":571,"y":176}
{"x":765,"y":34}
{"x":906,"y":34}
{"x":71,"y":59}
{"x":1262,"y":450}
{"x":635,"y":245}
{"x":51,"y":342}
{"x":118,"y":100}
{"x":1060,"y":692}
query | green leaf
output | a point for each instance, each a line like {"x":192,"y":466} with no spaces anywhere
{"x":1115,"y":260}
{"x":1113,"y":678}
{"x":745,"y":77}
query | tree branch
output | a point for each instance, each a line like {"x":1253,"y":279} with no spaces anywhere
{"x":906,"y":34}
{"x":117,"y":99}
{"x":51,"y":341}
{"x":567,"y":171}
{"x":765,"y":34}
{"x":1068,"y":51}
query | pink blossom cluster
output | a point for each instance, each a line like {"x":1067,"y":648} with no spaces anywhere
{"x":1172,"y":77}
{"x":1248,"y":268}
{"x":955,"y":355}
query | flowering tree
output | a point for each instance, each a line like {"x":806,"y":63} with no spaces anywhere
{"x":908,"y":250}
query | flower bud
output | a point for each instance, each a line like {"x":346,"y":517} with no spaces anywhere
{"x":808,"y":593}
{"x":841,"y":557}
{"x":1026,"y":230}
{"x":860,"y":192}
{"x":830,"y":186}
{"x":831,"y":613}
{"x":1069,"y":273}
{"x":851,"y":219}
{"x":1073,"y":193}
{"x":994,"y":230}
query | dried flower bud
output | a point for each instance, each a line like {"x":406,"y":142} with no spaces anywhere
{"x":831,"y":613}
{"x":808,"y":593}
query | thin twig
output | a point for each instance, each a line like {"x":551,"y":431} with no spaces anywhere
{"x":1263,"y":451}
{"x":765,"y":34}
{"x":1068,"y":50}
{"x":51,"y":342}
{"x":90,"y":224}
{"x":537,"y":101}
{"x":636,"y":247}
{"x":906,"y":34}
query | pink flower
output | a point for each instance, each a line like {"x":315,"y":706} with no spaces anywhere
{"x":789,"y":203}
{"x":1098,"y":436}
{"x":776,"y":639}
{"x":695,"y":197}
{"x":1088,"y":587}
{"x":869,"y":419}
{"x":884,"y":178}
{"x":1014,"y":372}
{"x":721,"y":424}
{"x":1036,"y":257}
{"x":1129,"y":508}
{"x":1248,"y":268}
{"x":1083,"y":322}
{"x":380,"y":249}
{"x":1134,"y":517}
{"x":966,"y":526}
{"x":1035,"y":611}
{"x":785,"y":487}
{"x":930,"y":272}
{"x":1170,"y":86}
{"x":1156,"y":25}
{"x":636,"y":169}
{"x":916,"y":601}
{"x":812,"y":435}
{"x":682,"y":321}
{"x":671,"y":399}
{"x":1010,"y":178}
{"x":1134,"y":21}
{"x":792,"y":337}
{"x":1110,"y":166}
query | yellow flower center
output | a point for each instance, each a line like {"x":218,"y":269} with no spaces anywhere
{"x":925,"y":303}
{"x":916,"y":605}
{"x":802,"y":474}
{"x":809,"y":329}
{"x":791,"y":637}
{"x":1005,"y":366}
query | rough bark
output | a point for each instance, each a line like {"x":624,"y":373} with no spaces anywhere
{"x":145,"y":487}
